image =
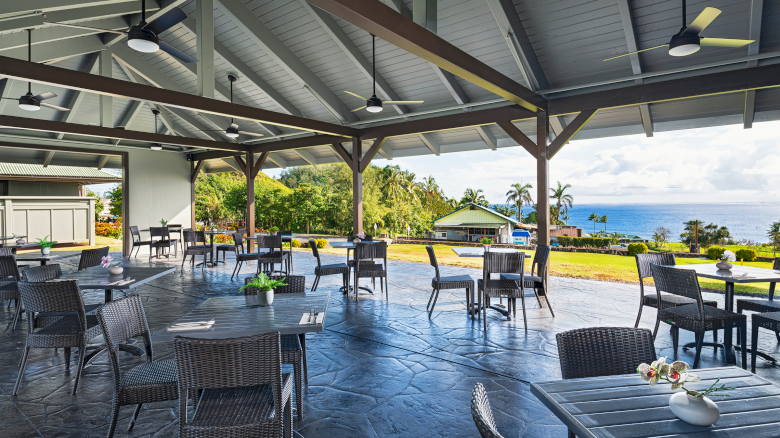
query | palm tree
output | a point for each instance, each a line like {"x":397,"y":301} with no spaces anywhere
{"x":519,"y":194}
{"x":393,"y":183}
{"x":774,"y":236}
{"x":474,"y":197}
{"x":593,"y":218}
{"x":563,"y":200}
{"x":603,"y":220}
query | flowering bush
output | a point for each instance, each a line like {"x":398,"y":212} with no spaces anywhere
{"x":728,"y":256}
{"x":112,"y":230}
{"x":676,"y":374}
{"x":321,"y":243}
{"x":296,"y":243}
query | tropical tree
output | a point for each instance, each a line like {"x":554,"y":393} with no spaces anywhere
{"x":518,"y":195}
{"x":393,"y":182}
{"x":506,"y":210}
{"x":115,"y":203}
{"x":471,"y":196}
{"x":563,"y":200}
{"x":603,"y":220}
{"x":594,"y":218}
{"x":774,"y":236}
{"x":614,"y":238}
{"x":708,"y":235}
{"x":661,"y":236}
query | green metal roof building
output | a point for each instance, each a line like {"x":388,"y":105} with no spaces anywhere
{"x":471,"y":222}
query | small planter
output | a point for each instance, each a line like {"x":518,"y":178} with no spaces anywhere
{"x":487,"y":248}
{"x":724,"y":265}
{"x":265,"y":297}
{"x":699,"y":411}
{"x":20,"y":242}
{"x":115,"y":270}
{"x":46,"y":251}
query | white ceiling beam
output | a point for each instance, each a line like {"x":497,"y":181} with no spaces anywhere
{"x":166,"y":120}
{"x":386,"y":151}
{"x":261,"y":35}
{"x":105,"y":69}
{"x":248,"y":73}
{"x":557,"y":125}
{"x":756,"y":14}
{"x":636,"y":66}
{"x":488,"y":137}
{"x":231,"y":162}
{"x":79,"y":14}
{"x":135,"y":108}
{"x":12,"y":7}
{"x":276,"y":159}
{"x":5,"y":90}
{"x":102,"y":161}
{"x":307,"y":156}
{"x":58,"y":50}
{"x":511,"y":27}
{"x":56,"y":33}
{"x":430,"y":143}
{"x":750,"y":109}
{"x":204,"y":42}
{"x":78,"y":96}
{"x":647,"y":119}
{"x":47,"y":159}
{"x":332,"y":28}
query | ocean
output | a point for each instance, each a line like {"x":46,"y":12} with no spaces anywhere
{"x":744,"y":220}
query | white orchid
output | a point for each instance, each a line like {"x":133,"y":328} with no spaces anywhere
{"x":677,"y":375}
{"x":728,"y":256}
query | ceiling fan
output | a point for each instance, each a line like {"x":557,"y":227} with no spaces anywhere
{"x":143,"y":37}
{"x":374,"y":104}
{"x":28,"y":102}
{"x":155,"y":146}
{"x":688,"y":41}
{"x":232,"y":130}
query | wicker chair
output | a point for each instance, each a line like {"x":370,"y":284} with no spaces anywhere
{"x":39,"y":274}
{"x":72,"y":330}
{"x":369,"y":251}
{"x":698,"y":317}
{"x":333,"y":269}
{"x":643,"y":262}
{"x":447,"y":283}
{"x":293,"y":346}
{"x":9,"y":275}
{"x":241,"y":256}
{"x":150,"y":382}
{"x":92,"y":257}
{"x":175,"y":230}
{"x":137,"y":241}
{"x":769,"y":321}
{"x":163,"y":242}
{"x":603,"y":351}
{"x":224,"y":248}
{"x":498,"y":263}
{"x":538,"y":282}
{"x":6,"y":250}
{"x":194,"y":245}
{"x":274,"y":255}
{"x":244,"y":393}
{"x":760,"y":305}
{"x":482,"y":414}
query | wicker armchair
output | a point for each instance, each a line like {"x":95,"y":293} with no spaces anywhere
{"x":287,"y":236}
{"x":193,"y":248}
{"x":332,"y":269}
{"x":368,"y":251}
{"x":452,"y":282}
{"x":698,"y":317}
{"x":498,"y":263}
{"x":163,"y":242}
{"x":761,"y":305}
{"x":274,"y":255}
{"x":92,"y":257}
{"x":224,"y":248}
{"x":536,"y":282}
{"x":643,"y":262}
{"x":137,"y":241}
{"x":241,"y":256}
{"x":769,"y":321}
{"x":482,"y":414}
{"x":9,"y":275}
{"x":150,"y":382}
{"x":293,"y":346}
{"x":39,"y":274}
{"x":244,"y":393}
{"x":72,"y":330}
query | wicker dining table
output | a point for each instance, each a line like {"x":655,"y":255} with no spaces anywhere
{"x":625,"y":406}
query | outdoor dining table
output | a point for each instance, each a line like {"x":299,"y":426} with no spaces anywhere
{"x":43,"y":259}
{"x":625,"y":406}
{"x":211,"y":234}
{"x":738,"y":274}
{"x":350,"y":246}
{"x":480,"y":251}
{"x":14,"y":248}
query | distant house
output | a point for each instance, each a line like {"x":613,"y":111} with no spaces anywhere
{"x":471,"y":222}
{"x":521,"y":237}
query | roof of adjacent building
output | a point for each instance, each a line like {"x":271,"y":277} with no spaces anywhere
{"x":521,"y":233}
{"x":57,"y":172}
{"x":473,"y":215}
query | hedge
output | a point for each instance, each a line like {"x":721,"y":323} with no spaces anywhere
{"x":583,"y":242}
{"x":296,"y":243}
{"x":637,"y":248}
{"x":746,"y":254}
{"x":715,"y":252}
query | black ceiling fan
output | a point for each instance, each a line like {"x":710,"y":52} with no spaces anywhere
{"x":688,"y":41}
{"x":374,"y":104}
{"x":143,"y":37}
{"x":155,"y":146}
{"x":232,"y":130}
{"x":28,"y":102}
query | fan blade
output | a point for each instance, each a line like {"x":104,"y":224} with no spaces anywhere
{"x":402,"y":102}
{"x":10,"y":98}
{"x":234,"y":125}
{"x":702,"y":21}
{"x":166,"y":21}
{"x":724,"y":42}
{"x":358,"y":109}
{"x":88,"y":28}
{"x":44,"y":96}
{"x":253,"y":134}
{"x":176,"y":53}
{"x":631,"y":53}
{"x":356,"y":95}
{"x":59,"y":108}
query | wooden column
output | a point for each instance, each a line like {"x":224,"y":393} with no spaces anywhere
{"x":127,"y":246}
{"x":250,"y":199}
{"x":357,"y":186}
{"x":542,"y":180}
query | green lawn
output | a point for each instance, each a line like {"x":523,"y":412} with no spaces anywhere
{"x":589,"y":266}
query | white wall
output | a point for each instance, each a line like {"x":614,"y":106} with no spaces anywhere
{"x":159,"y":188}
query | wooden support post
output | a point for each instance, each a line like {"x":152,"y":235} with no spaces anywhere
{"x":250,"y":199}
{"x":195,"y":170}
{"x":357,"y":186}
{"x":127,"y":246}
{"x":543,"y":186}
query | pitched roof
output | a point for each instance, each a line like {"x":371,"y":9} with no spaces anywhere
{"x":65,"y":172}
{"x":469,"y":205}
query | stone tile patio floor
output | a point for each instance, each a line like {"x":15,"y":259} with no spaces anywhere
{"x":381,"y":368}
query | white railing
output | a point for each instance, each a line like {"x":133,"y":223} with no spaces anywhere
{"x":64,"y":219}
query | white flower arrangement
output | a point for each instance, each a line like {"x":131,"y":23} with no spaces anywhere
{"x":728,"y":256}
{"x":105,"y":262}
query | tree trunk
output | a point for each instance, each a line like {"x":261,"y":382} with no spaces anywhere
{"x":307,"y":226}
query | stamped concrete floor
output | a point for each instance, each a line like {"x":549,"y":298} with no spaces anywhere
{"x":381,"y":368}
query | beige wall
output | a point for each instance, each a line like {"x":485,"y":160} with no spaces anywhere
{"x":42,"y":188}
{"x":64,"y":219}
{"x":159,"y":188}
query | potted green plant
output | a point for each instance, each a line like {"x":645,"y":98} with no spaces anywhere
{"x":163,"y":222}
{"x":45,"y":245}
{"x":486,"y":241}
{"x":263,"y":286}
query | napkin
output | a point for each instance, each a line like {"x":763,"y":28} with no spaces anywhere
{"x":305,"y":319}
{"x":187,"y":326}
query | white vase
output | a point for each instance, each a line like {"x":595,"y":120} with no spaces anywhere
{"x":724,"y":265}
{"x":265,"y":297}
{"x":487,"y":248}
{"x":699,"y":411}
{"x":115,"y":270}
{"x":45,"y":251}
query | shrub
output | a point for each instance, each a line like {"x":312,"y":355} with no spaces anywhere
{"x":746,"y":254}
{"x":715,"y":252}
{"x":486,"y":241}
{"x":274,"y":229}
{"x":296,"y":243}
{"x":321,"y":243}
{"x":105,"y":229}
{"x":583,"y":242}
{"x":637,"y":248}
